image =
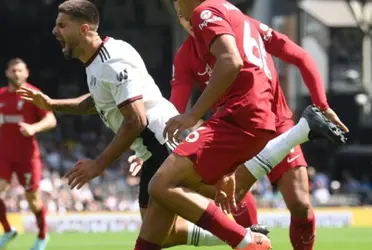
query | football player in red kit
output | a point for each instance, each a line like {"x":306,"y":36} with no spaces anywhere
{"x":245,"y":98}
{"x":290,"y":174}
{"x":20,"y":121}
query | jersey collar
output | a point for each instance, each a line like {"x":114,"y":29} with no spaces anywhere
{"x":91,"y":59}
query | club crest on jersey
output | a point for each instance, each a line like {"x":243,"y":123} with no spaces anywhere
{"x":20,"y":104}
{"x":93,"y":81}
{"x":208,"y":70}
{"x":122,"y":76}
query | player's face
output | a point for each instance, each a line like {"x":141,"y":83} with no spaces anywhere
{"x":68,"y":32}
{"x":188,"y":6}
{"x":17,"y":74}
{"x":186,"y":24}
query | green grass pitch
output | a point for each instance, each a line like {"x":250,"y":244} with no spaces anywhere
{"x":327,"y":239}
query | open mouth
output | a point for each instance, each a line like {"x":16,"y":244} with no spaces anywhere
{"x":63,"y":43}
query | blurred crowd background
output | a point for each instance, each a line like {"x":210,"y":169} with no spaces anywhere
{"x":326,"y":28}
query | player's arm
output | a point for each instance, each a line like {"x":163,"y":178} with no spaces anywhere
{"x":219,"y":38}
{"x":182,"y":84}
{"x":48,"y":121}
{"x":81,"y":105}
{"x":131,"y":128}
{"x":127,"y":93}
{"x":279,"y":45}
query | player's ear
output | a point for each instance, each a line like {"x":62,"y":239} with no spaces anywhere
{"x":84,"y":28}
{"x":27,"y":73}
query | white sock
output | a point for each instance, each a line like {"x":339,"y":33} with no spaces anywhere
{"x":246,"y":241}
{"x":277,"y":149}
{"x":199,"y":237}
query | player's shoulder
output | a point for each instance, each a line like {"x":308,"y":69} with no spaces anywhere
{"x":30,"y":86}
{"x":3,"y":89}
{"x":185,"y":51}
{"x":119,"y":49}
{"x":207,"y":9}
{"x":122,"y":56}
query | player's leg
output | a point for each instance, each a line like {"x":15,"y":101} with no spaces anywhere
{"x":311,"y":125}
{"x":246,"y":213}
{"x":183,"y":232}
{"x":4,"y":184}
{"x":5,"y":177}
{"x":29,"y":175}
{"x":294,"y":187}
{"x":172,"y":187}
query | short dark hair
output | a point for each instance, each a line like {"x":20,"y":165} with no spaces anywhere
{"x":15,"y":61}
{"x":80,"y":10}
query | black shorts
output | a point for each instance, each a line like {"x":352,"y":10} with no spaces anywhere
{"x":159,"y":154}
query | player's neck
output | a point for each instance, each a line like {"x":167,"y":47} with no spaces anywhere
{"x":90,"y":48}
{"x":13,"y":88}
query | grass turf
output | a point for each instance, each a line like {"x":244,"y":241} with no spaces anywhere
{"x":327,"y":239}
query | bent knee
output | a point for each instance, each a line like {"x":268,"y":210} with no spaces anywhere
{"x":178,"y":234}
{"x":157,"y":186}
{"x":300,"y":208}
{"x":3,"y":185}
{"x":34,"y":201}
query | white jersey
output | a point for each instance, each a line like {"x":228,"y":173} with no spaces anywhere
{"x":117,"y":75}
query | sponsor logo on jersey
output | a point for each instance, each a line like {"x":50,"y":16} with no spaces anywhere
{"x":208,"y":17}
{"x":122,"y":76}
{"x":229,"y":6}
{"x":93,"y":81}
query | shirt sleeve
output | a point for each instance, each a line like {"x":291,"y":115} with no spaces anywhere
{"x":182,"y":84}
{"x":208,"y":23}
{"x":279,"y":45}
{"x":41,"y":113}
{"x":124,"y":82}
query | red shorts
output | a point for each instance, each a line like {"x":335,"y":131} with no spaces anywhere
{"x":28,"y":172}
{"x":293,"y":160}
{"x":219,"y":147}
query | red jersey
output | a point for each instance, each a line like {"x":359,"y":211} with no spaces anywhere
{"x":188,"y":68}
{"x":253,"y":90}
{"x":12,"y":111}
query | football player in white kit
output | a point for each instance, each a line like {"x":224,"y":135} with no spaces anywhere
{"x":127,"y":100}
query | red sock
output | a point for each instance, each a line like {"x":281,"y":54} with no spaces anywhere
{"x":142,"y":244}
{"x":216,"y":222}
{"x":3,"y":219}
{"x":41,"y":222}
{"x":246,"y":214}
{"x":302,"y":232}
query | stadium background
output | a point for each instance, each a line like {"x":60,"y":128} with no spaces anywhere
{"x":341,"y":180}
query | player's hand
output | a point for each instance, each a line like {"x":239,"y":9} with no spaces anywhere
{"x":333,"y":117}
{"x":225,"y":194}
{"x":38,"y":98}
{"x":135,"y":164}
{"x":176,"y":125}
{"x":83,"y":172}
{"x":26,"y":129}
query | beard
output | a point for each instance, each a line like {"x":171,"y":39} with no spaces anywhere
{"x":68,"y":54}
{"x":16,"y":83}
